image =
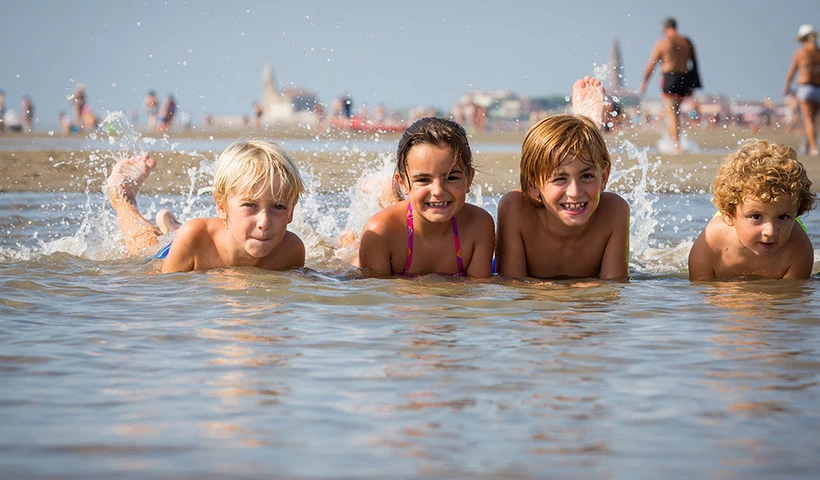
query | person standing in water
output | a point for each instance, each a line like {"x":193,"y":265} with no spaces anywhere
{"x":78,"y":105}
{"x":166,"y":115}
{"x":2,"y":110}
{"x":807,"y":60}
{"x":27,"y":114}
{"x":151,"y":106}
{"x":679,"y":68}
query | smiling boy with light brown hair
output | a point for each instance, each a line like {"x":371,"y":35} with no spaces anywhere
{"x":562,"y":222}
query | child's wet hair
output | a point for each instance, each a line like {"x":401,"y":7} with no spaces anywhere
{"x":439,"y":132}
{"x":765,"y":170}
{"x":245,"y":163}
{"x":549,"y":141}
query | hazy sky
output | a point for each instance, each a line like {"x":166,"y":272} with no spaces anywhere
{"x":210,"y":54}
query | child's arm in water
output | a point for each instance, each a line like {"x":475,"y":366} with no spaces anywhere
{"x":481,"y":260}
{"x":511,"y":256}
{"x":375,"y":251}
{"x":701,"y":262}
{"x":185,"y":247}
{"x":615,"y":260}
{"x":289,"y":254}
{"x":802,"y":255}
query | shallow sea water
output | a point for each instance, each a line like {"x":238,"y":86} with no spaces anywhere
{"x":110,"y":371}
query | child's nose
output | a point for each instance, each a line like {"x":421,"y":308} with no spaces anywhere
{"x":436,"y":186}
{"x":573,"y":188}
{"x":263,"y":220}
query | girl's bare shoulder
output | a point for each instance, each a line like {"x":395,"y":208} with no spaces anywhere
{"x":388,"y":219}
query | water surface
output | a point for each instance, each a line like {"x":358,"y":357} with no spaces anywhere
{"x":109,"y":370}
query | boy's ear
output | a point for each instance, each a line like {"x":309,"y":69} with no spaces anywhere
{"x":220,"y":212}
{"x":729,"y":220}
{"x":605,"y":177}
{"x":535,"y":193}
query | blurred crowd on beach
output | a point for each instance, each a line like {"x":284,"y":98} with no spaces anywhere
{"x":493,"y":111}
{"x":482,"y":111}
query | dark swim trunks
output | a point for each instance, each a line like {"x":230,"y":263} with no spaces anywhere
{"x":681,"y":84}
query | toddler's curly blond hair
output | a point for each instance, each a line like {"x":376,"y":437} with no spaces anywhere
{"x":765,"y":170}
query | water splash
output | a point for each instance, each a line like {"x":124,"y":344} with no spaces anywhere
{"x":648,"y":253}
{"x":667,"y":145}
{"x":94,"y":229}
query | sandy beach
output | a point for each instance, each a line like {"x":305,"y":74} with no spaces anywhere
{"x":78,"y":171}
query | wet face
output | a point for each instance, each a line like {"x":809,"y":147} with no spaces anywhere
{"x":257,"y":224}
{"x":573,"y":191}
{"x":436,"y":188}
{"x":763,"y":228}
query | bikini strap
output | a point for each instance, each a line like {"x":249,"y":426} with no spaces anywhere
{"x":409,"y":238}
{"x":458,"y":247}
{"x":410,"y":230}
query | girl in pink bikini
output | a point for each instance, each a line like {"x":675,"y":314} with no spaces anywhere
{"x":434,"y":230}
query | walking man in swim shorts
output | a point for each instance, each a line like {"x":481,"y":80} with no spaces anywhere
{"x":679,"y":71}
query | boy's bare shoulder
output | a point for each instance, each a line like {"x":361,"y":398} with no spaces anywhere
{"x":513,"y":197}
{"x":705,"y":255}
{"x":612,"y":213}
{"x":515,"y":204}
{"x":613,"y":202}
{"x":802,"y":254}
{"x":290,"y":253}
{"x":197,"y":231}
{"x":715,"y":234}
{"x":292,"y":243}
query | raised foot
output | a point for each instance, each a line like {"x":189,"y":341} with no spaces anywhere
{"x":128,"y":175}
{"x":588,"y":99}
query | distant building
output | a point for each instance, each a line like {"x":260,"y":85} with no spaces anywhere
{"x":616,"y":88}
{"x":290,"y":105}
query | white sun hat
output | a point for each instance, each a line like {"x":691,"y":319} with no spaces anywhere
{"x":804,"y":31}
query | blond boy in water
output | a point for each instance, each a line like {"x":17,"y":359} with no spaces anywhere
{"x":760,"y":190}
{"x":256,"y":187}
{"x":562,"y":222}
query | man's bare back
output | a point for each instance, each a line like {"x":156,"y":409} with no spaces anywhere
{"x":674,"y":53}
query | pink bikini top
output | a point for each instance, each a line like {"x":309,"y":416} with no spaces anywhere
{"x":461,"y":271}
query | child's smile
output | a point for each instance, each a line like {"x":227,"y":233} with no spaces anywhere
{"x":574,"y":208}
